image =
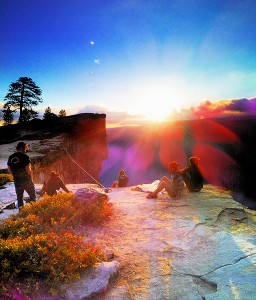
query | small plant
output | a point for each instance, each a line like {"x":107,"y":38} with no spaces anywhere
{"x":40,"y":241}
{"x":4,"y":178}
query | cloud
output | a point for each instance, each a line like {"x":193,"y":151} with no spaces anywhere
{"x":92,"y":42}
{"x":125,"y":119}
{"x":225,"y":107}
{"x":97,"y":61}
{"x":206,"y":109}
{"x":115,"y":118}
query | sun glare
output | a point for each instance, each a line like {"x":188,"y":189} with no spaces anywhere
{"x":158,"y":98}
{"x":157,"y":114}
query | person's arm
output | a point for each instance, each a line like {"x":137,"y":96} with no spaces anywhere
{"x":44,"y":187}
{"x":9,"y":170}
{"x":29,"y":170}
{"x":62,"y":185}
{"x":184,"y":170}
{"x":65,"y":189}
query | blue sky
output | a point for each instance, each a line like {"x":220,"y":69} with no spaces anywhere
{"x":129,"y":57}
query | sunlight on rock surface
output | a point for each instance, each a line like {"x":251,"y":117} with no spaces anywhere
{"x":200,"y":247}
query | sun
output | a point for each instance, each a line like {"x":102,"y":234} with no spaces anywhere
{"x":157,"y":113}
{"x":158,"y":98}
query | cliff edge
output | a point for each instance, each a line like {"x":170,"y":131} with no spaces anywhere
{"x":67,"y":145}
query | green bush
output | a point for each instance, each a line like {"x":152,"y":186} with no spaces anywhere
{"x":40,"y":241}
{"x":4,"y":178}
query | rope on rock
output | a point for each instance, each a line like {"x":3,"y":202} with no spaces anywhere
{"x":83,"y":169}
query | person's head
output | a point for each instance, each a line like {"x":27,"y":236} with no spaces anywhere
{"x":53,"y":174}
{"x":21,"y":146}
{"x":121,"y":173}
{"x":194,"y":160}
{"x":173,"y":166}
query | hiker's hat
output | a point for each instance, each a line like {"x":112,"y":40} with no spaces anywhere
{"x":173,"y":166}
{"x":21,"y":145}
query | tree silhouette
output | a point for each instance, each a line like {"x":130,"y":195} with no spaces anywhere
{"x":29,"y":114}
{"x":8,"y":114}
{"x":23,"y":94}
{"x":62,"y":113}
{"x":48,"y":114}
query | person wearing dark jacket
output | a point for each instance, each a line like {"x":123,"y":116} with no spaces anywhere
{"x":192,"y":175}
{"x":53,"y":184}
{"x":19,"y":165}
{"x":122,"y":179}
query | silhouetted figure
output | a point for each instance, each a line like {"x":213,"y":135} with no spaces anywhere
{"x":19,"y":165}
{"x":192,"y":176}
{"x":122,"y":180}
{"x":53,"y":184}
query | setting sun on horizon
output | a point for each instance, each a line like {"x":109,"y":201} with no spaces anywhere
{"x":156,"y":97}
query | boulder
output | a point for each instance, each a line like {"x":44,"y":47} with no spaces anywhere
{"x":94,"y":281}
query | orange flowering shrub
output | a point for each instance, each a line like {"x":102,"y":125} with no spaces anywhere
{"x":54,"y":257}
{"x":54,"y":213}
{"x":40,"y":239}
{"x":4,"y":178}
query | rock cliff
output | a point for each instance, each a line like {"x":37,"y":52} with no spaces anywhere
{"x":73,"y":146}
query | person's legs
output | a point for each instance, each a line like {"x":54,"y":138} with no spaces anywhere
{"x":19,"y":192}
{"x":115,"y":184}
{"x":169,"y":189}
{"x":164,"y":184}
{"x":30,"y":189}
{"x":164,"y":178}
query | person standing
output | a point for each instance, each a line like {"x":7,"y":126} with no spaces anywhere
{"x":19,"y":165}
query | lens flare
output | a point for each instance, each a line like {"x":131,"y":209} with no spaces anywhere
{"x":209,"y":131}
{"x":217,"y":167}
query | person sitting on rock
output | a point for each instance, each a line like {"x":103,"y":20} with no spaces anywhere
{"x":53,"y":184}
{"x":192,"y":176}
{"x":122,"y":180}
{"x":173,"y":187}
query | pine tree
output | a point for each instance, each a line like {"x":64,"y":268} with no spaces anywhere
{"x":8,"y":114}
{"x":22,"y":95}
{"x":29,"y":114}
{"x":48,"y":114}
{"x":62,"y":113}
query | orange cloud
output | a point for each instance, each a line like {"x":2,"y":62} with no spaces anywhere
{"x":208,"y":109}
